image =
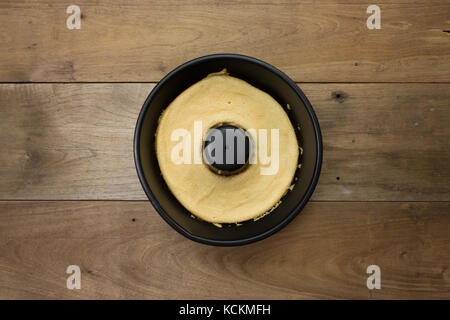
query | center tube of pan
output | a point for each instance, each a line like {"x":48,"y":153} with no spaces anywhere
{"x":226,"y":149}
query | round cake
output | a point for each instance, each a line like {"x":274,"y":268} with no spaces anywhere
{"x":222,"y":99}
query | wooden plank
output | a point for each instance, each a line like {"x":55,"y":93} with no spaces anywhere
{"x":74,"y":141}
{"x":69,"y":141}
{"x":312,"y":41}
{"x":125,"y":250}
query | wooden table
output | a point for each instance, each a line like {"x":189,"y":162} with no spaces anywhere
{"x":69,"y":193}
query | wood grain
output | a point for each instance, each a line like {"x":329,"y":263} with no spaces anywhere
{"x":312,"y":41}
{"x":125,"y":250}
{"x":72,"y":143}
{"x":382,"y":142}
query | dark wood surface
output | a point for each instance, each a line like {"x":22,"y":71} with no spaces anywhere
{"x":125,"y":250}
{"x":69,"y":193}
{"x":74,"y":141}
{"x":312,"y":41}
